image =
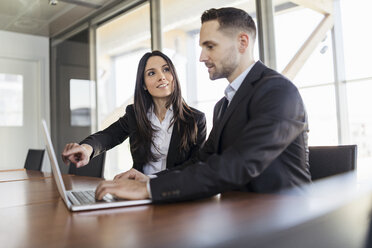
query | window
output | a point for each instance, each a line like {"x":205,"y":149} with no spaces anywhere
{"x":356,"y":19}
{"x":358,"y":51}
{"x":121,"y":43}
{"x":292,"y":29}
{"x":80,"y":102}
{"x":320,"y":105}
{"x":11,"y":100}
{"x":315,"y":79}
{"x":360,"y":119}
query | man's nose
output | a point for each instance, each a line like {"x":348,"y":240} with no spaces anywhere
{"x":203,"y":57}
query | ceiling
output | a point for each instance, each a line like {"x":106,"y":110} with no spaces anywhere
{"x":38,"y":17}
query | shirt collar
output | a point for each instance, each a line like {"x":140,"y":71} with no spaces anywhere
{"x":151,"y":109}
{"x":152,"y":117}
{"x":233,"y":87}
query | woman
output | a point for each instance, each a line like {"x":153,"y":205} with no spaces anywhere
{"x":163,"y":130}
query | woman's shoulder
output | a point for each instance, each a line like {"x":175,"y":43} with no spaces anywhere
{"x":129,"y":109}
{"x":129,"y":112}
{"x":197,"y":113}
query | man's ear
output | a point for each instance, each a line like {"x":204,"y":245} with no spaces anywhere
{"x":243,"y":39}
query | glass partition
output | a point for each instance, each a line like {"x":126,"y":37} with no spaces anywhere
{"x":121,"y":42}
{"x":72,"y":92}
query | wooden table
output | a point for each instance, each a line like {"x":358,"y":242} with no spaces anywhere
{"x":21,"y":174}
{"x":37,"y":217}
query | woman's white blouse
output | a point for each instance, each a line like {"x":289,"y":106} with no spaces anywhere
{"x":161,"y":139}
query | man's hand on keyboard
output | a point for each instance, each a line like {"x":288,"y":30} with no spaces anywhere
{"x":132,"y":174}
{"x":124,"y":188}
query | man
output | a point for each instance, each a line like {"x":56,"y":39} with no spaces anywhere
{"x":259,"y":138}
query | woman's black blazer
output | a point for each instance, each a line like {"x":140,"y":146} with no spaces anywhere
{"x":125,"y":127}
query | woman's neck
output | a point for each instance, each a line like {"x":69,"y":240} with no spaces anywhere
{"x":160,"y":109}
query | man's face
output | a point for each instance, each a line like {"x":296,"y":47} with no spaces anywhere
{"x":219,"y":51}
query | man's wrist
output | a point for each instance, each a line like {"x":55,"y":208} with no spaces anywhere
{"x":88,"y":148}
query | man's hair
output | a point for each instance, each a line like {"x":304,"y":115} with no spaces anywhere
{"x":231,"y":18}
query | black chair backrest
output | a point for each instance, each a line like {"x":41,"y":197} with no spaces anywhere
{"x":327,"y":161}
{"x":94,"y":168}
{"x":34,"y":159}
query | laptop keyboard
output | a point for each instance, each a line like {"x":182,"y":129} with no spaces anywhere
{"x":88,"y":197}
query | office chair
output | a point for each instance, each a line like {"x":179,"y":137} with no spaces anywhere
{"x":327,"y":161}
{"x":34,"y":159}
{"x":94,"y":168}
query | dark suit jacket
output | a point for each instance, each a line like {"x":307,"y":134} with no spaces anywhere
{"x":258,"y":145}
{"x":125,"y":127}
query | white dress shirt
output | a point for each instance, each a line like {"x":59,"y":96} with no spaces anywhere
{"x":161,"y":140}
{"x":233,"y":87}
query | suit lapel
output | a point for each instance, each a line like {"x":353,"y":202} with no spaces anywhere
{"x":244,"y":92}
{"x":173,"y":147}
{"x":223,"y":108}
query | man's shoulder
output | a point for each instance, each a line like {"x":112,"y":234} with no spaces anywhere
{"x":220,"y":102}
{"x":271,"y":73}
{"x":260,"y":74}
{"x":272,"y":77}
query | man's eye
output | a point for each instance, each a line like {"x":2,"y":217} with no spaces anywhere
{"x":209,"y":47}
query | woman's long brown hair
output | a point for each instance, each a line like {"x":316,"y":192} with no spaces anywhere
{"x":183,"y":115}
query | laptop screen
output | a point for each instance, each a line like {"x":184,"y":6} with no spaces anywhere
{"x":54,"y":164}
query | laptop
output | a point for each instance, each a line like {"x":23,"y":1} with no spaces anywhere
{"x":79,"y":200}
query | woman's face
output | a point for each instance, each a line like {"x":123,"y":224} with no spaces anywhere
{"x":158,"y":77}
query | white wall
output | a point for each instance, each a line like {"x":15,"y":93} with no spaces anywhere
{"x":34,"y":48}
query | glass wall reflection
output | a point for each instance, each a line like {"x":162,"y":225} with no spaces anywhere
{"x":121,"y":43}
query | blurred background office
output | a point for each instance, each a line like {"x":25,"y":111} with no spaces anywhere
{"x":73,"y":63}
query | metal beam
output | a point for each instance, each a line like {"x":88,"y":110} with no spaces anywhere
{"x":266,"y":34}
{"x":321,"y":6}
{"x":155,"y":19}
{"x":93,"y":77}
{"x":340,"y":78}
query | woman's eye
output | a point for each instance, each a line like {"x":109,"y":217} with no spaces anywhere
{"x":150,"y":73}
{"x":166,"y":69}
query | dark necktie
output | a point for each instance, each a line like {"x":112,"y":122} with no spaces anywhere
{"x":224,"y":107}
